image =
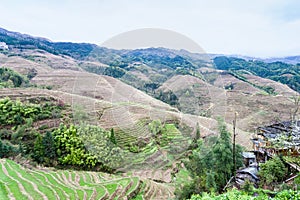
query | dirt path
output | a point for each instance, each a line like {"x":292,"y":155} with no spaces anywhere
{"x":94,"y":194}
{"x":77,"y":179}
{"x":155,"y":174}
{"x":83,"y":177}
{"x":70,"y":178}
{"x":95,"y":177}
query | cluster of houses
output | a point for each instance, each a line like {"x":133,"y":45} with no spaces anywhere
{"x":281,"y":138}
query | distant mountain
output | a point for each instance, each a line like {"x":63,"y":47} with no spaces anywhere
{"x":24,"y":41}
{"x":277,"y":71}
{"x":176,"y":77}
{"x":290,"y":60}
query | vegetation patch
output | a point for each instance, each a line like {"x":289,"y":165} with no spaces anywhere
{"x":11,"y":79}
{"x":275,"y":71}
{"x":52,"y":184}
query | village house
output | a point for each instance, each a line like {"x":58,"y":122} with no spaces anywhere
{"x":249,"y":158}
{"x":282,"y":139}
{"x":3,"y":46}
{"x":249,"y":173}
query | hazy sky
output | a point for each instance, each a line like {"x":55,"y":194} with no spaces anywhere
{"x":257,"y":28}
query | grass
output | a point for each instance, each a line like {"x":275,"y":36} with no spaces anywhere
{"x":53,"y":185}
{"x":170,"y":130}
{"x":169,"y":133}
{"x":55,"y":181}
{"x":89,"y":178}
{"x":139,"y":196}
{"x":81,"y":180}
{"x":73,"y":175}
{"x":135,"y":181}
{"x":170,"y":140}
{"x":111,"y":187}
{"x":26,"y":184}
{"x":41,"y":187}
{"x":42,"y":180}
{"x":124,"y":182}
{"x":12,"y":185}
{"x":3,"y":191}
{"x":182,"y":177}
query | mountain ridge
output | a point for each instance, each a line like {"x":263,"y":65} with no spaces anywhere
{"x":145,"y":69}
{"x":82,"y":45}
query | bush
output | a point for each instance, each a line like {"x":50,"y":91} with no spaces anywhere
{"x":272,"y":171}
{"x":14,"y":112}
{"x":98,"y":142}
{"x":70,"y":148}
{"x":10,"y":78}
{"x":287,"y":194}
{"x":6,"y":150}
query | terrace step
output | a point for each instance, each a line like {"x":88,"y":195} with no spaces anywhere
{"x":46,"y":184}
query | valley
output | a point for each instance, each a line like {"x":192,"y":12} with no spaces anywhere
{"x":123,"y":123}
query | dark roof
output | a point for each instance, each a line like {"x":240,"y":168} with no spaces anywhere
{"x":252,"y":170}
{"x":286,"y":128}
{"x":248,"y":155}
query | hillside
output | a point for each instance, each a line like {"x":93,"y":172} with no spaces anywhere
{"x":151,"y":70}
{"x":254,"y":106}
{"x":130,"y":122}
{"x":136,"y":115}
{"x":60,"y":72}
{"x":278,"y":71}
{"x":18,"y":182}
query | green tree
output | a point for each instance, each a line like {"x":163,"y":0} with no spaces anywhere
{"x":248,"y":186}
{"x":272,"y":171}
{"x":10,"y":78}
{"x":79,"y":114}
{"x":211,"y":164}
{"x":198,"y":132}
{"x":49,"y":148}
{"x":97,"y":141}
{"x":210,"y":182}
{"x":38,"y":150}
{"x":112,"y":136}
{"x":194,"y":143}
{"x":70,"y":148}
{"x":287,"y":194}
{"x":155,"y":127}
{"x":5,"y":150}
{"x":222,"y":155}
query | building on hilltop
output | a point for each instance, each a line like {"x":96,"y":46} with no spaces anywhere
{"x":3,"y":46}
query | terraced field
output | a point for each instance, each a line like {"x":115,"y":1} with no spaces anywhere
{"x":157,"y":156}
{"x":17,"y":182}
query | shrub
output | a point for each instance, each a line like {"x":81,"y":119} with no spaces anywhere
{"x":272,"y":171}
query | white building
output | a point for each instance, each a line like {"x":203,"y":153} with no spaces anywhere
{"x":3,"y":46}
